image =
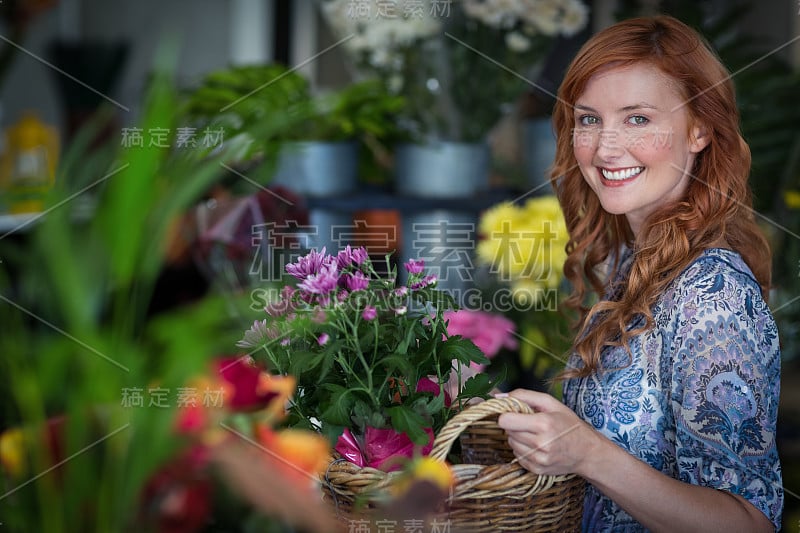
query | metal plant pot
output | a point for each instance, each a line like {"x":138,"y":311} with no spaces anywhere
{"x":442,"y":170}
{"x":317,"y":168}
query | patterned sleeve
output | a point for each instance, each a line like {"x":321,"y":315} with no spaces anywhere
{"x":725,"y":386}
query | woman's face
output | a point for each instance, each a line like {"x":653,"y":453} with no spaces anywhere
{"x":633,"y":142}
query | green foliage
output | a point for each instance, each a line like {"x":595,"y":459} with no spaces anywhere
{"x":260,"y":107}
{"x":357,"y":371}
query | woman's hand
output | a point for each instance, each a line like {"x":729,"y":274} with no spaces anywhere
{"x":554,"y":441}
{"x":551,"y":441}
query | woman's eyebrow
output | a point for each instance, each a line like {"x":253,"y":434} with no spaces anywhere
{"x":633,"y":107}
{"x":640,"y":105}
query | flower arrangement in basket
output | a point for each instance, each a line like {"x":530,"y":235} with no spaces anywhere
{"x":376,"y":370}
{"x":379,"y":374}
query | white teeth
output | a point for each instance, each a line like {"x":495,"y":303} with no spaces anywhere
{"x":621,"y":174}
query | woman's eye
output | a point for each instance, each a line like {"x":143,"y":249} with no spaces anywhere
{"x":588,"y":120}
{"x":638,"y":120}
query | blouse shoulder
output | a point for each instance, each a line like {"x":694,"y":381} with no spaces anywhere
{"x":720,"y":279}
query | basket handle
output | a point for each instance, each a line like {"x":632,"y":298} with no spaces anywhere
{"x":493,"y":406}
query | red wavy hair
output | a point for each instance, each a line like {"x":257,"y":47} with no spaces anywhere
{"x":717,"y":204}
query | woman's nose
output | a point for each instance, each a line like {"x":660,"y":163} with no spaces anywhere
{"x":609,"y":145}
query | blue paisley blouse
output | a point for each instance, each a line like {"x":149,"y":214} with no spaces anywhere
{"x":699,"y":400}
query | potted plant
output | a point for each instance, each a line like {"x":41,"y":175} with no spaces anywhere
{"x":373,"y":359}
{"x":313,"y":148}
{"x":323,"y":152}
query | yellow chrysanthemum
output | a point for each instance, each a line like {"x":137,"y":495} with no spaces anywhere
{"x":524,"y":242}
{"x":424,"y":469}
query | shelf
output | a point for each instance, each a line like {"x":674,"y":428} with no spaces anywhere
{"x":361,"y":200}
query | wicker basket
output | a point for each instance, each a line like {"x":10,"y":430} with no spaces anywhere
{"x":493,"y":492}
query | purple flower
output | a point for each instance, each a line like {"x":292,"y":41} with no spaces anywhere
{"x":323,"y":339}
{"x":259,"y":333}
{"x":401,"y":310}
{"x":414,"y":266}
{"x":356,"y":281}
{"x":429,"y":280}
{"x":401,"y":291}
{"x":308,"y":264}
{"x":369,"y":313}
{"x":322,"y":282}
{"x":360,"y":255}
{"x":351,"y":256}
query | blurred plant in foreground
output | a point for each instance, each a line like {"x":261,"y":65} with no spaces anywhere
{"x":92,"y":385}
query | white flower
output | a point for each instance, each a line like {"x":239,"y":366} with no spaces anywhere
{"x":380,"y":58}
{"x":545,"y":17}
{"x":575,"y":18}
{"x":395,"y":83}
{"x":484,"y":12}
{"x":516,"y":42}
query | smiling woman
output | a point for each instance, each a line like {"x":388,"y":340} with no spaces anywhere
{"x":627,"y":149}
{"x":671,"y":391}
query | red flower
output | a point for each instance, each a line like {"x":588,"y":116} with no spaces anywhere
{"x":178,"y":497}
{"x":245,"y":377}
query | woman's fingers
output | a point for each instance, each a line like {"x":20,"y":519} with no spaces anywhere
{"x":516,"y":422}
{"x":538,"y":401}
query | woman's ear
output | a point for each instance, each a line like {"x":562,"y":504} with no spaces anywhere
{"x":699,"y":138}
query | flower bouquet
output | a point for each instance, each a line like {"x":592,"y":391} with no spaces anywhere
{"x":376,"y":370}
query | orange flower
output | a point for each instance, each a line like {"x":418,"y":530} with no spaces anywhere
{"x":280,"y":390}
{"x":299,"y":455}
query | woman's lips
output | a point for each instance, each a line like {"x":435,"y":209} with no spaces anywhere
{"x":616,"y":177}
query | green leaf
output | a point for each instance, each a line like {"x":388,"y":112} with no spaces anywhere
{"x":435,"y":404}
{"x":341,"y":404}
{"x":305,"y":362}
{"x":405,"y":420}
{"x":409,"y":337}
{"x":398,"y":362}
{"x":478,"y":386}
{"x":463,"y":350}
